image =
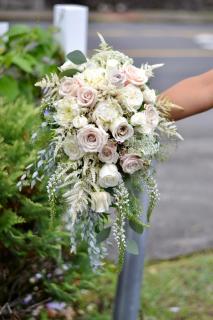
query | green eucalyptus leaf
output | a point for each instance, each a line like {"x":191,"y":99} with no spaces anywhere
{"x":77,"y":57}
{"x":136,"y":224}
{"x":103,"y":234}
{"x":68,"y":73}
{"x":132,"y":247}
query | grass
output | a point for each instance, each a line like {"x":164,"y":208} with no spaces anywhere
{"x":186,"y":284}
{"x":172,"y":290}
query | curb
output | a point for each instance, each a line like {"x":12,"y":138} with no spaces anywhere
{"x":148,"y":16}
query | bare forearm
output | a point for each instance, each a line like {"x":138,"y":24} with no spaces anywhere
{"x":194,"y":95}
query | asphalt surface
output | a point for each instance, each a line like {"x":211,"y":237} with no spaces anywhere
{"x":182,"y":223}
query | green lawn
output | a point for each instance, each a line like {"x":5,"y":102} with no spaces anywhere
{"x":172,"y":290}
{"x":186,"y":284}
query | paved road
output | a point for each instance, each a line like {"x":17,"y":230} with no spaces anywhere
{"x":183,"y":221}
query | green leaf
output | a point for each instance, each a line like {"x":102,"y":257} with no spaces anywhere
{"x":132,"y":247}
{"x":103,"y":234}
{"x":18,"y":30}
{"x":136,"y":225}
{"x":8,"y":87}
{"x":77,"y":57}
{"x":68,"y":73}
{"x":23,"y":63}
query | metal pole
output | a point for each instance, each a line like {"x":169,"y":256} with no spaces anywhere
{"x":127,"y":301}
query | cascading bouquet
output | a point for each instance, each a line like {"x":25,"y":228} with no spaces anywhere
{"x":105,"y":125}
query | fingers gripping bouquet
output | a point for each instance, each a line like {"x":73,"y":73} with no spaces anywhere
{"x":105,"y":125}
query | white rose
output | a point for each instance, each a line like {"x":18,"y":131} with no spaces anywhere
{"x":91,"y":139}
{"x":109,"y":176}
{"x":138,"y":119}
{"x":66,"y":110}
{"x":147,"y":120}
{"x":149,"y":95}
{"x":71,"y":148}
{"x":79,"y":122}
{"x":121,"y":130}
{"x":104,"y":113}
{"x":131,"y":97}
{"x":100,"y":201}
{"x":152,"y":115}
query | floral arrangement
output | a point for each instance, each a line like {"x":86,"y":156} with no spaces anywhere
{"x":106,"y":127}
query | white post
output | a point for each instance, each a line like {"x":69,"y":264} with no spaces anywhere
{"x":4,"y":26}
{"x":72,"y":21}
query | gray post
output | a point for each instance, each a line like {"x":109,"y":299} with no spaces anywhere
{"x":72,"y":21}
{"x":127,"y":301}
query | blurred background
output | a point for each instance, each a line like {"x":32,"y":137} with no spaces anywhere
{"x":180,"y":35}
{"x":112,"y":4}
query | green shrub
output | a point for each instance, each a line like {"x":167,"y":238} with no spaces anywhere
{"x":34,"y":258}
{"x":26,"y":54}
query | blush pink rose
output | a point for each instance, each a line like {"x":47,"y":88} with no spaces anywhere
{"x":131,"y":163}
{"x":121,"y":129}
{"x":86,"y":96}
{"x":91,"y":139}
{"x":69,"y":86}
{"x":135,"y":75}
{"x":108,"y":154}
{"x":117,"y":78}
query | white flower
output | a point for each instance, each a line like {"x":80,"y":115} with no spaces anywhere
{"x":149,"y":95}
{"x":109,"y":176}
{"x":91,"y":139}
{"x":86,"y":96}
{"x":138,"y":119}
{"x":100,"y":201}
{"x":66,"y":110}
{"x":104,"y":113}
{"x":79,"y":122}
{"x":112,"y":63}
{"x":131,"y":163}
{"x":131,"y":97}
{"x":95,"y":76}
{"x":121,"y":130}
{"x":108,"y":153}
{"x":117,"y":78}
{"x":152,"y":115}
{"x":70,"y":65}
{"x":147,"y":120}
{"x":136,"y":76}
{"x":71,"y":148}
{"x":69,"y":86}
